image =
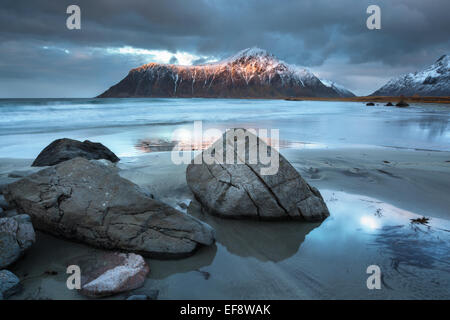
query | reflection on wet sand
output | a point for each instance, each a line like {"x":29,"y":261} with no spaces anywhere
{"x":155,"y":144}
{"x":203,"y":257}
{"x":282,"y":260}
{"x":415,"y":245}
{"x":435,"y":126}
{"x":266,"y":241}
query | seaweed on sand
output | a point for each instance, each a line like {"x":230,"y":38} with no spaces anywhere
{"x":423,"y":220}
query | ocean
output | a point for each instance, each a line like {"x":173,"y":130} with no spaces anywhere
{"x":28,"y":125}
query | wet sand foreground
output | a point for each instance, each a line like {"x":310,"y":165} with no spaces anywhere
{"x":372,"y":195}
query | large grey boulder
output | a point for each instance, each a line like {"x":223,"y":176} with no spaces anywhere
{"x":16,"y":236}
{"x":252,"y":190}
{"x":89,"y":202}
{"x":9,"y":284}
{"x":110,"y":273}
{"x":65,"y":149}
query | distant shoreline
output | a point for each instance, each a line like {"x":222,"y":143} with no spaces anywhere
{"x":379,"y":99}
{"x":418,"y":99}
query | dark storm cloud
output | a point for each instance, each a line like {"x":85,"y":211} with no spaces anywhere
{"x":313,"y":33}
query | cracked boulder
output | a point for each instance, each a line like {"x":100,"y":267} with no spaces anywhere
{"x":250,"y":187}
{"x":16,"y":236}
{"x":65,"y":149}
{"x":89,"y":202}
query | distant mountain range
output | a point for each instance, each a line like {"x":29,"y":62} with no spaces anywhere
{"x":255,"y":73}
{"x":432,"y":81}
{"x":251,"y":73}
{"x":341,"y":91}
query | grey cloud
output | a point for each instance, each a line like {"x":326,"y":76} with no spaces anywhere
{"x":312,"y":33}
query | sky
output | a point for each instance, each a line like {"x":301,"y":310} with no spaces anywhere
{"x":41,"y":57}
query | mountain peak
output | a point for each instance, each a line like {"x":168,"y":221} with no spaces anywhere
{"x":249,"y":55}
{"x":251,"y":73}
{"x":431,"y":81}
{"x":252,"y":52}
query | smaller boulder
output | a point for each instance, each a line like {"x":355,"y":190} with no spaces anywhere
{"x":65,"y":149}
{"x":370,"y":104}
{"x":402,"y":104}
{"x":110,"y":273}
{"x":16,"y":236}
{"x":9,"y":284}
{"x":389,"y":104}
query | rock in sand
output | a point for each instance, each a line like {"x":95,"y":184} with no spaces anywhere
{"x":241,"y":191}
{"x":65,"y":149}
{"x":9,"y":284}
{"x":16,"y":236}
{"x":402,"y":104}
{"x":110,"y":273}
{"x":89,"y":202}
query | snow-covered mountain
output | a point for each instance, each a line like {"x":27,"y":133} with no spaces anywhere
{"x":341,"y":90}
{"x":251,"y":73}
{"x":432,"y":81}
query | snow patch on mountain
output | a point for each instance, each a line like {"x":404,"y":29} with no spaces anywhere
{"x":341,"y":90}
{"x":432,"y":81}
{"x":256,"y":62}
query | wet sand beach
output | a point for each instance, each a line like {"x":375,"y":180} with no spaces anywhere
{"x":372,"y":195}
